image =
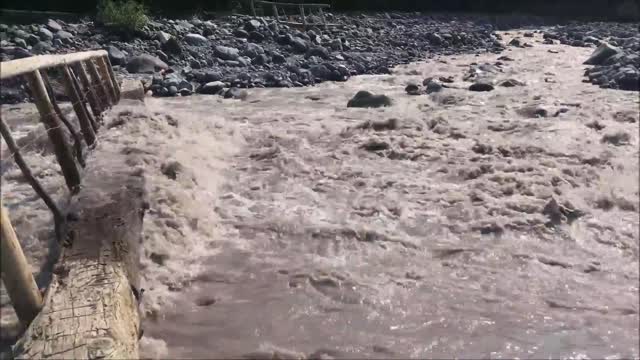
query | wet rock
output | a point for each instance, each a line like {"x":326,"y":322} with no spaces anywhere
{"x":533,"y":111}
{"x":601,"y":54}
{"x":236,"y":93}
{"x":433,"y":86}
{"x":256,"y":37}
{"x":321,"y":72}
{"x":365,"y":99}
{"x":618,"y":138}
{"x":53,"y":25}
{"x":171,"y":169}
{"x":515,"y":42}
{"x":252,"y":25}
{"x":196,"y":40}
{"x":145,"y":64}
{"x":20,"y":43}
{"x":511,"y":83}
{"x":481,"y":86}
{"x":32,"y":39}
{"x":626,"y":116}
{"x":116,"y":56}
{"x":375,"y":145}
{"x":212,"y":88}
{"x":412,"y":89}
{"x":226,"y":53}
{"x":240,"y":33}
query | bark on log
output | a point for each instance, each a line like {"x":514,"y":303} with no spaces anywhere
{"x":90,"y":308}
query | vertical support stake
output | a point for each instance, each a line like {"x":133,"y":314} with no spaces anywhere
{"x":16,"y":273}
{"x":54,"y":129}
{"x":85,"y":124}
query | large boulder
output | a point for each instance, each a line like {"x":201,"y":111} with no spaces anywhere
{"x":53,"y":26}
{"x":601,"y":54}
{"x":116,"y":56}
{"x":226,"y":53}
{"x":196,"y":40}
{"x":145,"y":64}
{"x":365,"y":99}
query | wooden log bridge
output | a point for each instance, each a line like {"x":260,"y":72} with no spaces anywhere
{"x":90,"y":309}
{"x":300,"y":6}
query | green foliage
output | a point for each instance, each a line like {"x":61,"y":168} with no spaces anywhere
{"x":129,"y":15}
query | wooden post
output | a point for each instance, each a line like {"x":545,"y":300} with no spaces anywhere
{"x":77,"y":142}
{"x":324,"y":22}
{"x":112,"y":75}
{"x":96,"y":104}
{"x":16,"y":273}
{"x":253,"y":8}
{"x":87,"y":130}
{"x":304,"y":19}
{"x":54,"y":130}
{"x":106,"y":79}
{"x":15,"y":150}
{"x":83,"y":98}
{"x":275,"y":12}
{"x":99,"y":85}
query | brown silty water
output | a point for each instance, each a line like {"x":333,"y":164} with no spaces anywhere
{"x":293,"y":229}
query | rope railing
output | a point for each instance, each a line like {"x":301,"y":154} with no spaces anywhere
{"x":89,"y":81}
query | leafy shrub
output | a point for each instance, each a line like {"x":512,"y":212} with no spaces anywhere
{"x":128,"y":15}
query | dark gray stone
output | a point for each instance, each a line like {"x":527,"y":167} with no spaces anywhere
{"x":318,"y":51}
{"x":365,"y":99}
{"x":172,"y":46}
{"x":320,"y":72}
{"x":601,"y":54}
{"x":116,"y":56}
{"x":241,"y":34}
{"x":212,"y":88}
{"x":20,"y":43}
{"x":145,"y":64}
{"x":63,"y":35}
{"x":226,"y":53}
{"x":481,"y":86}
{"x":299,"y":45}
{"x":235,"y":93}
{"x":32,"y":39}
{"x":196,"y":40}
{"x":255,"y":36}
{"x":412,"y":89}
{"x":53,"y":26}
{"x":278,"y":58}
{"x":252,"y":25}
{"x":45,"y":34}
{"x":41,"y":48}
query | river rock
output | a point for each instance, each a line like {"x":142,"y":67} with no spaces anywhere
{"x":365,"y":99}
{"x":212,"y":88}
{"x":45,"y":34}
{"x":601,"y":54}
{"x":481,"y":86}
{"x":146,"y":64}
{"x":53,"y":25}
{"x":226,"y":53}
{"x":252,"y":50}
{"x":116,"y":56}
{"x":196,"y":40}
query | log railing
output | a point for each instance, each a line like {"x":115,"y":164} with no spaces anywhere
{"x":89,"y":81}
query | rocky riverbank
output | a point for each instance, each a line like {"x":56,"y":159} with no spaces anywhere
{"x":225,"y":54}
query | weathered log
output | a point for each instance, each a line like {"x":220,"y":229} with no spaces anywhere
{"x":77,"y":142}
{"x":84,"y":99}
{"x":114,"y":80}
{"x":90,"y":91}
{"x":83,"y":119}
{"x":16,"y":273}
{"x":91,"y":307}
{"x":54,"y":130}
{"x":98,"y":84}
{"x":103,"y":70}
{"x":28,"y":65}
